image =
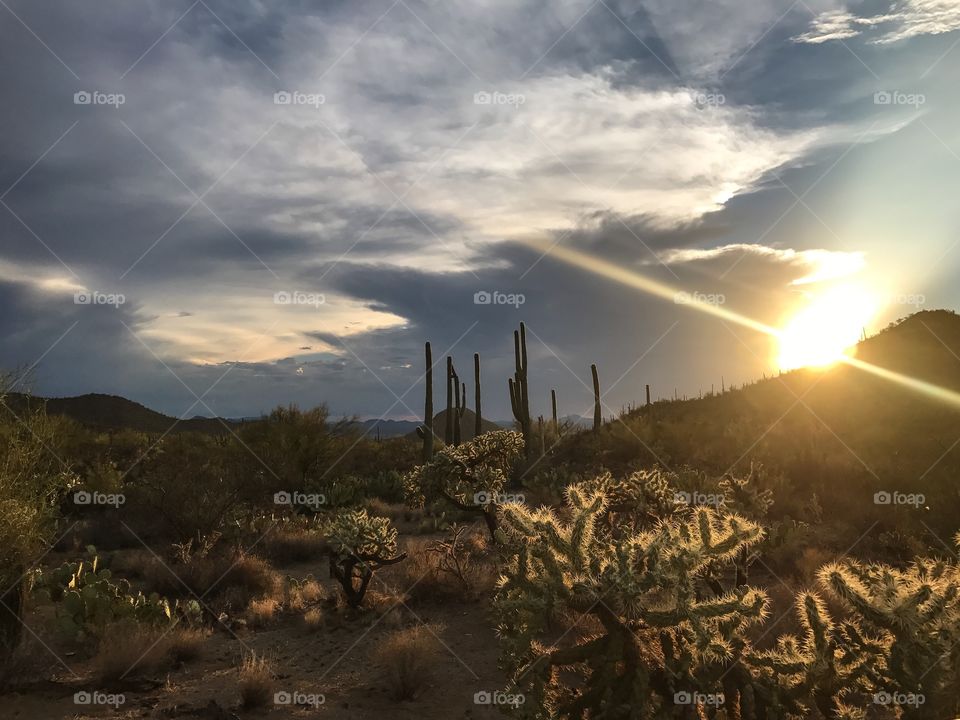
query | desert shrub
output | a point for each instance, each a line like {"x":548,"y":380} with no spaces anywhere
{"x":359,"y":546}
{"x":186,"y":643}
{"x":32,"y":481}
{"x":471,"y":476}
{"x":193,"y":485}
{"x":314,"y":619}
{"x":289,"y":544}
{"x":255,"y":681}
{"x":407,"y":657}
{"x":262,"y":611}
{"x":242,"y":577}
{"x":128,"y":648}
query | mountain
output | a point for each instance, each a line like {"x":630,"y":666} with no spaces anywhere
{"x":467,"y":425}
{"x":111,"y":412}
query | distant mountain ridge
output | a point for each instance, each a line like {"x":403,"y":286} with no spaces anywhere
{"x":112,"y":412}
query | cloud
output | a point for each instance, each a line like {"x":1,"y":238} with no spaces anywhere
{"x":817,"y":265}
{"x":904,"y":20}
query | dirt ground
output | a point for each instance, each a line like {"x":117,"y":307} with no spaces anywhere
{"x":335,"y":662}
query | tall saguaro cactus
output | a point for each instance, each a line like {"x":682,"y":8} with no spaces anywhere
{"x":460,"y":408}
{"x":597,"y":415}
{"x":519,"y":389}
{"x":478,"y":422}
{"x":426,"y":432}
{"x":553,"y":407}
{"x":448,"y":430}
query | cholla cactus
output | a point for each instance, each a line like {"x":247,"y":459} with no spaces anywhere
{"x":748,"y":496}
{"x":640,"y":499}
{"x":660,"y":641}
{"x":471,"y":476}
{"x":359,"y":545}
{"x":824,"y":667}
{"x":916,"y":613}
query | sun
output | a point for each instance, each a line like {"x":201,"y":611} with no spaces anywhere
{"x":824,"y":330}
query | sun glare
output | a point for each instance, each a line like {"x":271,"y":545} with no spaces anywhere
{"x":824,"y":330}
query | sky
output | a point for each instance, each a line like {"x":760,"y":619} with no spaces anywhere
{"x":216,"y":207}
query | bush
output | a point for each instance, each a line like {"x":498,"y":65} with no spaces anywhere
{"x":407,"y":657}
{"x":129,"y":648}
{"x":255,"y":682}
{"x":359,"y":546}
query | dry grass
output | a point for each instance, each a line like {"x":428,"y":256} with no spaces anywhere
{"x":262,"y":611}
{"x":186,"y":644}
{"x":314,"y":620}
{"x":128,"y":648}
{"x":408,"y":657}
{"x":298,"y":597}
{"x":427,"y":575}
{"x":286,"y":546}
{"x":244,"y":577}
{"x":255,"y":682}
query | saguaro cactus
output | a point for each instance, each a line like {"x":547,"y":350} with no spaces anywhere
{"x":597,"y":415}
{"x":478,"y":422}
{"x":426,"y":431}
{"x":519,"y":387}
{"x":448,"y":430}
{"x":553,"y":407}
{"x":459,"y":409}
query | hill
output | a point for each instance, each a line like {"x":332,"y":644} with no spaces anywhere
{"x":111,"y":412}
{"x":833,"y":437}
{"x":467,"y":425}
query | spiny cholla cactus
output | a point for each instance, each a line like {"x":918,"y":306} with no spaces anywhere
{"x":359,"y":545}
{"x":640,"y":499}
{"x":746,"y":495}
{"x":916,"y":614}
{"x":824,"y":668}
{"x":660,"y":640}
{"x":471,"y":476}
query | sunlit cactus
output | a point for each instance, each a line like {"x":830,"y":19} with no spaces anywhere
{"x":471,"y":476}
{"x":658,"y":638}
{"x":916,"y":614}
{"x":359,"y":545}
{"x":822,"y":668}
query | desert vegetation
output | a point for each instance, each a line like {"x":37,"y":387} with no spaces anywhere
{"x":650,"y":565}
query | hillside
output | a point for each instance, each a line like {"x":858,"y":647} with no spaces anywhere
{"x":111,"y":412}
{"x":835,"y":436}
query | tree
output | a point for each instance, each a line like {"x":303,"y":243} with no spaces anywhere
{"x":33,"y":479}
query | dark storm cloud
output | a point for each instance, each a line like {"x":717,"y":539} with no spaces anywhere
{"x":398,"y":192}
